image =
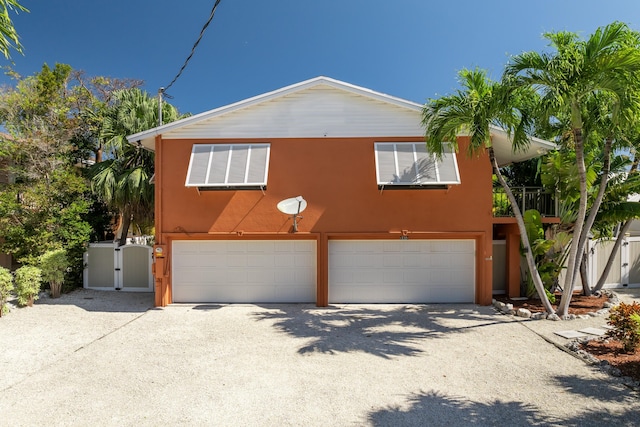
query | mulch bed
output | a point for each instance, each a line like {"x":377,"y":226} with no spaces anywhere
{"x":603,"y":349}
{"x":580,"y":304}
{"x":611,"y":351}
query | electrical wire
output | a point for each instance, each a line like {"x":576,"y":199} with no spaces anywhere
{"x":195,"y":45}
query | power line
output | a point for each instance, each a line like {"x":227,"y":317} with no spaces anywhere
{"x":193,"y":49}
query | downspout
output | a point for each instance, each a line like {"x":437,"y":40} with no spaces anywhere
{"x":160,"y":92}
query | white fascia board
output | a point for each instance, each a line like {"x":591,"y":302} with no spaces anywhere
{"x":151,"y":133}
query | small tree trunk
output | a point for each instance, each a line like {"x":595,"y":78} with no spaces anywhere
{"x":535,"y":275}
{"x":98,"y":154}
{"x":567,"y":292}
{"x":56,"y":288}
{"x":584,"y":277}
{"x":595,"y":207}
{"x":126,"y":221}
{"x":612,"y":256}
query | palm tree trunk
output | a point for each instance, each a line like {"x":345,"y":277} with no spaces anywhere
{"x":535,"y":275}
{"x":612,"y":256}
{"x":604,"y":179}
{"x":584,"y":277}
{"x":126,"y":222}
{"x":570,"y":279}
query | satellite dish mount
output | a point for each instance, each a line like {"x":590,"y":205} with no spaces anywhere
{"x":293,"y":206}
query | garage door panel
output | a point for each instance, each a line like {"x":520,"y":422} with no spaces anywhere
{"x":364,"y":276}
{"x":304,"y":260}
{"x":392,"y":276}
{"x":402,"y":271}
{"x":363,"y":260}
{"x":244,"y":271}
{"x":305,"y":276}
{"x":392,"y":246}
{"x":233,"y":275}
{"x":414,"y":276}
{"x":394,"y":260}
{"x":414,"y":260}
{"x":441,"y":260}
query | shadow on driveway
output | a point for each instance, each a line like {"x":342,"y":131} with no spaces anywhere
{"x":432,"y":408}
{"x":102,"y":301}
{"x":384,"y":330}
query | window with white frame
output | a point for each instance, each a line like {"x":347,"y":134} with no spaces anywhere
{"x":409,"y":164}
{"x":228,"y":166}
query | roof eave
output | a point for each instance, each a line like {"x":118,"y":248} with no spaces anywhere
{"x":147,"y":138}
{"x":504,"y":151}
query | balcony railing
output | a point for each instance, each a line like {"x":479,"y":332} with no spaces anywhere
{"x":527,"y":198}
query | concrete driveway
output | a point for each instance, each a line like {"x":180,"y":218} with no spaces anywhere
{"x":106,"y":358}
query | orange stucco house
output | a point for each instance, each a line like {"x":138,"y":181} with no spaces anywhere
{"x":381,"y":220}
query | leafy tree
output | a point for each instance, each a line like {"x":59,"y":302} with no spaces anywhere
{"x":91,"y":97}
{"x":523,"y":174}
{"x":38,"y":216}
{"x":604,"y":66}
{"x":479,"y":105}
{"x":8,"y":35}
{"x":549,"y":250}
{"x":122,"y":181}
{"x":53,"y":120}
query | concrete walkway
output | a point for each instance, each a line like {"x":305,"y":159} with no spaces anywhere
{"x":106,"y":358}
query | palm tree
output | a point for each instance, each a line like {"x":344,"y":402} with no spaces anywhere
{"x":480,"y":105}
{"x":123,"y":181}
{"x":605,"y":64}
{"x":8,"y":34}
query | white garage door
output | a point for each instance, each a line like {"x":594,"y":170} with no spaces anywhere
{"x":244,"y":271}
{"x":401,"y":271}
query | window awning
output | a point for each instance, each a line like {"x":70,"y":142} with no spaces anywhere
{"x":410,"y":164}
{"x":220,"y":166}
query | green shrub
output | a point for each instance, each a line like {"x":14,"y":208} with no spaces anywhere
{"x":28,"y":279}
{"x":6,"y":286}
{"x":625,"y":320}
{"x":552,"y":297}
{"x":54,"y":264}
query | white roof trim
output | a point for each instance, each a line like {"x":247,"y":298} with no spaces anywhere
{"x":271,"y":95}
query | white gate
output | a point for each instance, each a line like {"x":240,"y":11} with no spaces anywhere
{"x":625,"y":270}
{"x":126,"y":268}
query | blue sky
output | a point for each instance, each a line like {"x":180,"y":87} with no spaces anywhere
{"x":411,"y":49}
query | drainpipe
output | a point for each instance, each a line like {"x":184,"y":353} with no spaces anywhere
{"x":160,"y":92}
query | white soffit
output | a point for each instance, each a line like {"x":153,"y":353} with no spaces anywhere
{"x":503,"y":148}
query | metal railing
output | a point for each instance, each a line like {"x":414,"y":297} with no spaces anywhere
{"x":527,"y":198}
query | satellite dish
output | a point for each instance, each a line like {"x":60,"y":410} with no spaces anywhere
{"x":292,"y":206}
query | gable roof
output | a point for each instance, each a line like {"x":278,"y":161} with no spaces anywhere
{"x":319,"y":107}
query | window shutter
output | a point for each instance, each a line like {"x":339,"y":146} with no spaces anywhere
{"x":228,"y":165}
{"x":409,"y":163}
